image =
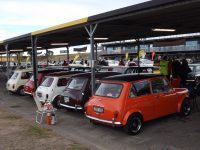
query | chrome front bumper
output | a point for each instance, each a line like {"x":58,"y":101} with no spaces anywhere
{"x":28,"y":93}
{"x":104,"y":121}
{"x":76,"y":107}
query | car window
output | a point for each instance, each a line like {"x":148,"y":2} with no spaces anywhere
{"x":76,"y":83}
{"x":25,"y":75}
{"x":109,"y":90}
{"x":47,"y":82}
{"x":14,"y":76}
{"x":142,"y":88}
{"x":133,"y":92}
{"x":159,"y":85}
{"x":131,"y":70}
{"x":197,"y":68}
{"x":62,"y":82}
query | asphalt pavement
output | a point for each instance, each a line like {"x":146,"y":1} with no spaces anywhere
{"x":168,"y":133}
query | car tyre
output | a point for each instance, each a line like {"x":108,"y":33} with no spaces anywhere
{"x":134,"y":124}
{"x":94,"y":122}
{"x":56,"y":103}
{"x":185,"y":108}
{"x":20,"y":91}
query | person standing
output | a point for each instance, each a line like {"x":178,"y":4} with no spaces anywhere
{"x":185,"y":69}
{"x":164,"y":67}
{"x":121,"y":62}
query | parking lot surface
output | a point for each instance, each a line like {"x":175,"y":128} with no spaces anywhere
{"x":168,"y":133}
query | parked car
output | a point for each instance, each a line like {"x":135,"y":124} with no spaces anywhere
{"x":130,"y":70}
{"x":194,"y":75}
{"x":78,"y":90}
{"x":17,"y":81}
{"x":53,"y":85}
{"x":29,"y":86}
{"x":130,"y":100}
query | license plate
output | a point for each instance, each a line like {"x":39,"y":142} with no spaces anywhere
{"x":66,"y":99}
{"x":98,"y":109}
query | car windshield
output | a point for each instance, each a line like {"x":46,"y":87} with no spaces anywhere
{"x":47,"y":82}
{"x":192,"y":68}
{"x":15,"y":75}
{"x":76,"y":83}
{"x":109,"y":90}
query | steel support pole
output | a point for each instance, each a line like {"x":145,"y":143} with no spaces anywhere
{"x":47,"y":55}
{"x":91,"y":32}
{"x":18,"y":60}
{"x":67,"y":54}
{"x":96,"y":50}
{"x":138,"y":51}
{"x":7,"y":61}
{"x":34,"y":60}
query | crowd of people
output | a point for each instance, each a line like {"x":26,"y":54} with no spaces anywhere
{"x":171,"y":67}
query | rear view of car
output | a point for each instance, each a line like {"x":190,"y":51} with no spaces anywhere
{"x":78,"y":91}
{"x":130,"y":100}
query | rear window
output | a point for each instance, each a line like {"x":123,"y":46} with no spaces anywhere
{"x":76,"y":83}
{"x":109,"y":90}
{"x":47,"y":82}
{"x":15,"y":75}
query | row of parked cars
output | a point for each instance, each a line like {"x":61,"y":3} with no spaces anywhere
{"x":125,"y":96}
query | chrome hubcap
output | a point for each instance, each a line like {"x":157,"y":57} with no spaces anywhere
{"x":136,"y":125}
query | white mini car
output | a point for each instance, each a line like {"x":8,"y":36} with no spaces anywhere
{"x":51,"y":87}
{"x":17,"y":81}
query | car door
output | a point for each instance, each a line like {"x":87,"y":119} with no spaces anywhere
{"x":141,"y":99}
{"x":60,"y":86}
{"x":165,"y":97}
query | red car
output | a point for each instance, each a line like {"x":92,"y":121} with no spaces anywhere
{"x":130,"y":100}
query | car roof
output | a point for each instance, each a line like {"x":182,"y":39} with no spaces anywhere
{"x":63,"y":73}
{"x":97,"y":74}
{"x":130,"y":77}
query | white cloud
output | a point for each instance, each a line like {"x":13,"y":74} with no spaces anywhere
{"x":42,"y":13}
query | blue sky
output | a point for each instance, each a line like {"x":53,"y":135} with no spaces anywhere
{"x":24,"y":16}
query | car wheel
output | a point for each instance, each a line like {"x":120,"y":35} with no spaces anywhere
{"x":21,"y":91}
{"x":185,"y":108}
{"x":56,"y":103}
{"x":134,"y":124}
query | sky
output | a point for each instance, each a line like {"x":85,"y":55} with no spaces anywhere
{"x":18,"y":17}
{"x":23,"y":16}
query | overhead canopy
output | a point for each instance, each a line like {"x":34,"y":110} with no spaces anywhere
{"x":131,"y":22}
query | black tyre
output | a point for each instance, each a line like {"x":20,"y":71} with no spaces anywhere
{"x":94,"y":122}
{"x":56,"y":103}
{"x":134,"y":124}
{"x":185,"y":108}
{"x":20,"y":91}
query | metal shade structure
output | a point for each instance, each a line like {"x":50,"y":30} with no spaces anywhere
{"x":149,"y":19}
{"x":131,"y":22}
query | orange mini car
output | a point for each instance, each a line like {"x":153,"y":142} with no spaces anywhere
{"x":130,"y":100}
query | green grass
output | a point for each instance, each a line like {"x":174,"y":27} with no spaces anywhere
{"x":11,"y":117}
{"x":37,"y":131}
